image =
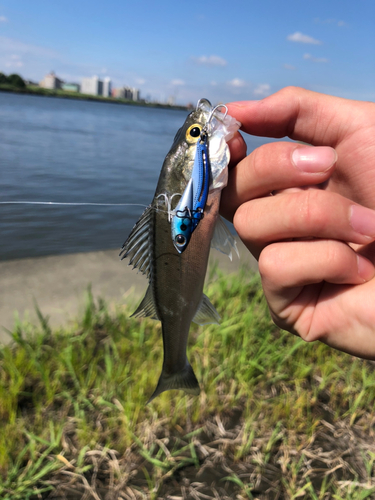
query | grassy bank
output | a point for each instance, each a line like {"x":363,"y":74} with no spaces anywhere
{"x":277,"y":418}
{"x":64,"y":94}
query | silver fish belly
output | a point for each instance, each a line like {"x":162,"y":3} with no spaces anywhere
{"x":175,"y":292}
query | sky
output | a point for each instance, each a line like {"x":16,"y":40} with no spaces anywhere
{"x":222,"y":50}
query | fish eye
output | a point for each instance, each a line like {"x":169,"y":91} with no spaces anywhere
{"x":180,"y":239}
{"x":193,"y":132}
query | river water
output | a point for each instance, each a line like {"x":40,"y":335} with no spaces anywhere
{"x":77,"y":151}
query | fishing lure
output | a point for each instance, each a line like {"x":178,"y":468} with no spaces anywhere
{"x":190,"y":209}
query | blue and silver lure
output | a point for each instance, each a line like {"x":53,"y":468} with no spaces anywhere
{"x":190,"y":209}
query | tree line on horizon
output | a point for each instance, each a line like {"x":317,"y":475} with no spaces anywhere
{"x":14,"y":79}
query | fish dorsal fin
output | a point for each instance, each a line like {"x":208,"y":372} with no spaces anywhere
{"x":147,"y":307}
{"x":223,"y":240}
{"x":138,"y":245}
{"x":206,"y":313}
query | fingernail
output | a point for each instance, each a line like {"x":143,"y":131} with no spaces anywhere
{"x":312,"y":159}
{"x":365,"y":268}
{"x":362,"y":220}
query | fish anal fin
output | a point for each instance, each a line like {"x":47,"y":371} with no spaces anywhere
{"x":147,"y":307}
{"x":206,"y":313}
{"x":184,"y":380}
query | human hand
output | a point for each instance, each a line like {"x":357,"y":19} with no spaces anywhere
{"x":312,"y":235}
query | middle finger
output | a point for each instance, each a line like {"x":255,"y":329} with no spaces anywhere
{"x":275,"y":166}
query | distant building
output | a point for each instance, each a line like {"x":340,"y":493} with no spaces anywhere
{"x":136,"y":94}
{"x":130,"y":93}
{"x":31,"y":82}
{"x":51,"y":81}
{"x":107,"y":87}
{"x":70,"y":87}
{"x":118,"y":93}
{"x":92,"y":86}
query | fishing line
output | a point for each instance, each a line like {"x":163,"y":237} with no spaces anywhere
{"x":76,"y":204}
{"x":72,"y":204}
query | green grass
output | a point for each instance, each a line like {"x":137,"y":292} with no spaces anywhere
{"x":276,"y":416}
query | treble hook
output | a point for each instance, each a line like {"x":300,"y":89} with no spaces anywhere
{"x":213,"y":110}
{"x":210,"y":116}
{"x":202,"y":100}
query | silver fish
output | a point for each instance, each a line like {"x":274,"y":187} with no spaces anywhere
{"x":175,"y":292}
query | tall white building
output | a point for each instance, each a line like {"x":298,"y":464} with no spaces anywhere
{"x":107,"y":87}
{"x":136,"y":94}
{"x":92,"y":86}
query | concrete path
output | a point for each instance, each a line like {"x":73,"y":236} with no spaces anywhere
{"x":58,"y":284}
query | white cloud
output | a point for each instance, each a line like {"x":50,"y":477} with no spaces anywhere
{"x":237,"y":83}
{"x":3,"y":19}
{"x":14,"y":61}
{"x":339,"y":23}
{"x":301,"y":38}
{"x":34,"y":60}
{"x":210,"y":61}
{"x":10,"y":45}
{"x":213,"y":83}
{"x":262,"y":90}
{"x":289,"y":66}
{"x":140,"y":81}
{"x":315,"y":59}
{"x":14,"y":64}
{"x":177,"y":82}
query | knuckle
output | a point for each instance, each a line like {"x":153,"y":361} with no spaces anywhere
{"x":334,"y":254}
{"x":309,"y":214}
{"x":241,"y":218}
{"x":270,"y":261}
{"x":247,"y":221}
{"x":259,"y":160}
{"x":259,"y":164}
{"x":289,"y":91}
{"x":269,"y":160}
{"x":331,"y":256}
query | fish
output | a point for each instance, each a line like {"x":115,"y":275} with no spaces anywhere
{"x":170,"y":243}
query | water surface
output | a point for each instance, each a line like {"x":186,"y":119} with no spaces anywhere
{"x":77,"y":151}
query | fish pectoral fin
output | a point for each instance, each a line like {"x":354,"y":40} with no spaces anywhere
{"x":223,"y":240}
{"x":138,"y":245}
{"x":147,"y":307}
{"x":184,"y":380}
{"x":206,"y":313}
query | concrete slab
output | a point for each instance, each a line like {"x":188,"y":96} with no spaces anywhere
{"x":58,"y":284}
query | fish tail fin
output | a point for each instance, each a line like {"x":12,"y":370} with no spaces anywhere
{"x":184,"y":379}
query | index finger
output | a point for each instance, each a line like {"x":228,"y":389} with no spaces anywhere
{"x":302,"y":115}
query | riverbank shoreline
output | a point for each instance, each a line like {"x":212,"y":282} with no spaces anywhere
{"x":57,"y":284}
{"x":85,"y":97}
